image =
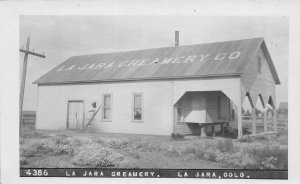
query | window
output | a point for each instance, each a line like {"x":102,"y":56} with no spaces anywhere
{"x":137,"y":107}
{"x":258,"y":64}
{"x":106,"y":107}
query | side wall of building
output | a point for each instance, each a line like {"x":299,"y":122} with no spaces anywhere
{"x":159,"y":98}
{"x":157,"y":106}
{"x":256,"y":82}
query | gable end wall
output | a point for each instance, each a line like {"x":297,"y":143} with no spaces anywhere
{"x":258,"y":83}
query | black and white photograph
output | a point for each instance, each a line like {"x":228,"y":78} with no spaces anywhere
{"x":117,"y":92}
{"x":102,"y":96}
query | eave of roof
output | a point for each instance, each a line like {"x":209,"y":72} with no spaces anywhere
{"x":270,"y":62}
{"x":143,"y":79}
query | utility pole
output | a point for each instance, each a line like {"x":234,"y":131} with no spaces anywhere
{"x":27,"y":52}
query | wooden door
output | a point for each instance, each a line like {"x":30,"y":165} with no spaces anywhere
{"x":75,"y":115}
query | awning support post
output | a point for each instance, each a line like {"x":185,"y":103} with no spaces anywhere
{"x":275,"y":120}
{"x":265,"y":121}
{"x":203,"y":130}
{"x":253,"y":117}
{"x":239,"y":118}
{"x":213,"y":130}
{"x":222,"y":129}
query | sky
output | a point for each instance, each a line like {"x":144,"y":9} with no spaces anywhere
{"x":61,"y":37}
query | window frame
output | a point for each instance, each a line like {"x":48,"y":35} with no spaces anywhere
{"x":133,"y":107}
{"x":103,"y":107}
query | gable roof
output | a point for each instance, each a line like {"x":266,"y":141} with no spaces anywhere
{"x":201,"y":60}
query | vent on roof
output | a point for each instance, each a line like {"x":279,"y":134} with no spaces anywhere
{"x":258,"y":64}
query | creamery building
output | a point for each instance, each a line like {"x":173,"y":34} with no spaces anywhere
{"x":192,"y":89}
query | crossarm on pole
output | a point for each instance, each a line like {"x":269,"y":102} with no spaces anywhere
{"x":32,"y":53}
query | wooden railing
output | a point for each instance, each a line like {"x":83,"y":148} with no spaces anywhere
{"x":282,"y":124}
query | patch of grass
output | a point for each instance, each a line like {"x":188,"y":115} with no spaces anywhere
{"x":93,"y":150}
{"x":28,"y":151}
{"x":225,"y":145}
{"x":57,"y":145}
{"x":131,"y":153}
{"x":97,"y":140}
{"x":21,"y":141}
{"x":51,"y":162}
{"x":267,"y":156}
{"x":117,"y":143}
{"x":269,"y":163}
{"x":22,"y":161}
{"x":163,"y":147}
{"x":80,"y":140}
{"x":188,"y":149}
{"x":245,"y":139}
{"x":143,"y":146}
{"x":29,"y":134}
{"x":172,"y":152}
{"x":206,"y":154}
{"x":126,"y":164}
{"x":261,"y":138}
{"x":282,"y":132}
{"x":177,"y":136}
{"x":189,"y":156}
{"x":210,"y":154}
{"x":94,"y":155}
{"x":236,"y":159}
{"x":245,"y":156}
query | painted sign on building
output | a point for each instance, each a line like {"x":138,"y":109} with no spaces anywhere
{"x":162,"y":61}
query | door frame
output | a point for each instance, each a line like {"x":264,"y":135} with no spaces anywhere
{"x":67,"y":123}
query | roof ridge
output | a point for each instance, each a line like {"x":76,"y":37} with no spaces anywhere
{"x":171,"y":47}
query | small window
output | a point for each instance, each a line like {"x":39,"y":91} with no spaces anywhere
{"x":106,"y":107}
{"x":258,"y":64}
{"x":137,"y":107}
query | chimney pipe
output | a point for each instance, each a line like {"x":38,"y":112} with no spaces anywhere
{"x":176,"y":38}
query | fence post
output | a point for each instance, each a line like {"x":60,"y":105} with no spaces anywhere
{"x":203,"y":131}
{"x":265,"y":121}
{"x":275,"y":120}
{"x":253,"y":121}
